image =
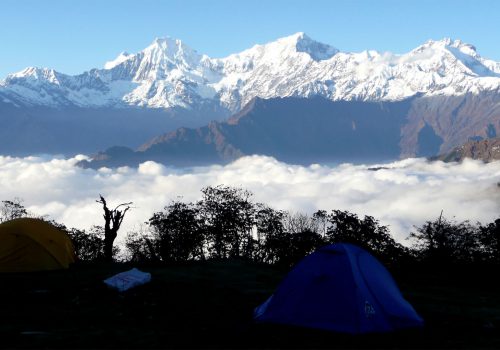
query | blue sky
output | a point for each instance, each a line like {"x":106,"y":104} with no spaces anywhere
{"x":73,"y":36}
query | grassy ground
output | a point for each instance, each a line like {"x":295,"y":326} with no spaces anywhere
{"x":210,"y":304}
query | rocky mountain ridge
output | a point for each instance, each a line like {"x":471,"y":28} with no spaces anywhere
{"x":294,"y":130}
{"x":487,"y":150}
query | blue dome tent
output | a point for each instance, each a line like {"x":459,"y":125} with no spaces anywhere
{"x":341,"y":288}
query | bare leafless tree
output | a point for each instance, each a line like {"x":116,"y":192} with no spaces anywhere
{"x":112,"y":222}
{"x":295,"y":222}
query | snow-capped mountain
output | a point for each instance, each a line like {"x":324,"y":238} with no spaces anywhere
{"x":168,"y":73}
{"x":439,"y":95}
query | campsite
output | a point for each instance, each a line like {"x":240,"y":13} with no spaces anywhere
{"x":210,"y":305}
{"x":343,"y":284}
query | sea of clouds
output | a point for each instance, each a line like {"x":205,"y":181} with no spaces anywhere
{"x":401,"y":194}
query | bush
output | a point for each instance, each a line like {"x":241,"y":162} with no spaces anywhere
{"x":489,"y":237}
{"x":444,"y":242}
{"x":177,"y":233}
{"x":346,"y":227}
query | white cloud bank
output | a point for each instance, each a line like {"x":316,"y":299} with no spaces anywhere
{"x":407,"y":193}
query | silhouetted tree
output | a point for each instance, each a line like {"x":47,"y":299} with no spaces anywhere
{"x":112,"y":222}
{"x":227,"y":215}
{"x":88,"y":244}
{"x":178,"y":231}
{"x":12,"y":209}
{"x":295,"y":222}
{"x":443,"y":242}
{"x":320,"y":220}
{"x":143,"y":246}
{"x":489,"y":236}
{"x":302,"y":237}
{"x":273,"y":241}
{"x":346,"y":227}
{"x":284,"y":237}
{"x":302,"y":243}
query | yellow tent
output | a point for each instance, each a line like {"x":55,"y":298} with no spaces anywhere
{"x":32,"y":245}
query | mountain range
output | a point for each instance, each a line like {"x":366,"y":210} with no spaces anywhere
{"x":435,"y":97}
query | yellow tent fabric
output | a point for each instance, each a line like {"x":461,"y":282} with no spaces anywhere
{"x":33,"y":245}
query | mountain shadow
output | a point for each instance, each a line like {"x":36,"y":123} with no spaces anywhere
{"x":428,"y":142}
{"x":72,"y":130}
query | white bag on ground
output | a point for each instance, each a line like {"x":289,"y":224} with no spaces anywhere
{"x":128,"y":279}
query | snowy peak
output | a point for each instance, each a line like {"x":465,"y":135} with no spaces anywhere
{"x":318,"y":51}
{"x":296,"y":43}
{"x":162,"y":58}
{"x":457,"y":55}
{"x":168,"y":73}
{"x":33,"y":77}
{"x":447,"y":43}
{"x":170,"y":49}
{"x":301,"y":42}
{"x":34,"y":73}
{"x":444,"y":46}
{"x":121,"y":58}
